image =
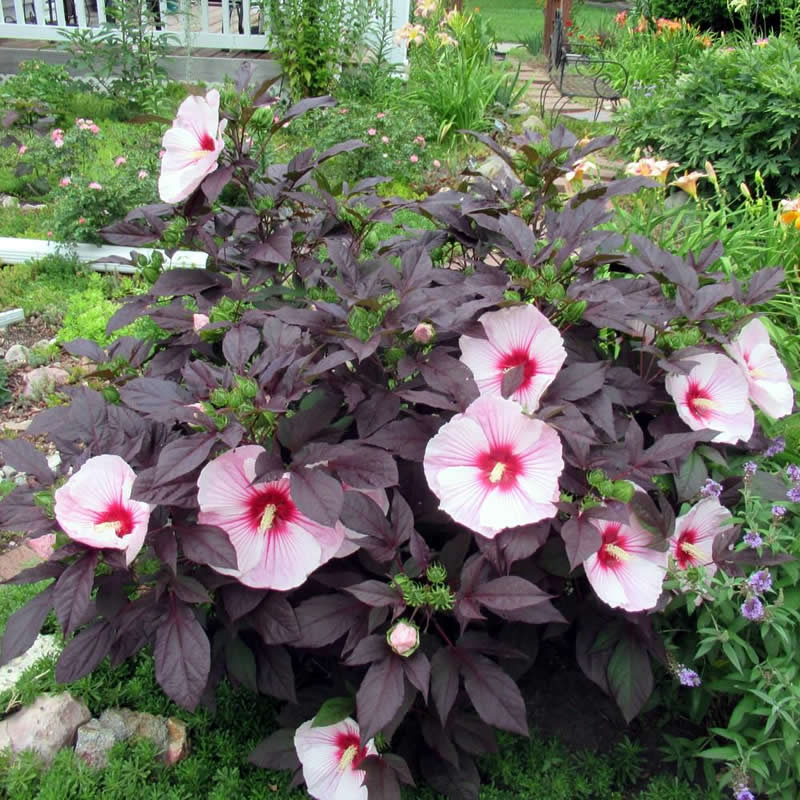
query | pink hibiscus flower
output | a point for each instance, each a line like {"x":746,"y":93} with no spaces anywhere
{"x":94,"y":507}
{"x":766,"y":376}
{"x":191,"y":147}
{"x":714,"y":396}
{"x":493,"y":467}
{"x":330,"y":756}
{"x":626,"y":572}
{"x":695,"y":532}
{"x":520,"y":336}
{"x":277,"y":547}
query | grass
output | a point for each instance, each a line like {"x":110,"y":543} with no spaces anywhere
{"x":514,"y":20}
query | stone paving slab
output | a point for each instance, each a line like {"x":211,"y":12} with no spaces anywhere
{"x":16,"y":560}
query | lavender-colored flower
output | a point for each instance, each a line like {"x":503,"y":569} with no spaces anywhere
{"x":760,"y":581}
{"x":744,"y":793}
{"x":793,"y":471}
{"x":778,"y":511}
{"x":750,"y":469}
{"x":777,"y":445}
{"x":752,"y":539}
{"x":753,"y":609}
{"x":711,"y":489}
{"x":794,"y":494}
{"x":688,"y":677}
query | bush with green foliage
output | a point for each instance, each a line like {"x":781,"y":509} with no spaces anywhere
{"x":713,"y":13}
{"x":739,"y":109}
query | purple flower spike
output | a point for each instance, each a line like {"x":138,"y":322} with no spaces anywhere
{"x":753,"y":609}
{"x":744,"y":794}
{"x":777,"y":445}
{"x":750,"y":468}
{"x":794,"y":494}
{"x":752,"y":539}
{"x":711,"y":489}
{"x":760,"y":581}
{"x":688,"y":677}
{"x":778,"y":511}
{"x":793,"y":472}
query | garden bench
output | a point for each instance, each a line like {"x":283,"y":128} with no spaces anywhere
{"x":578,"y":70}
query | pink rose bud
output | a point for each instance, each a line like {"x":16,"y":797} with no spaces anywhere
{"x":413,"y":159}
{"x":419,"y":140}
{"x":81,"y":220}
{"x":49,"y":234}
{"x":22,"y":150}
{"x":385,"y":139}
{"x":437,"y":163}
{"x":94,"y":129}
{"x":65,"y":181}
{"x":423,"y":333}
{"x":120,"y":160}
{"x":199,"y":321}
{"x":143,"y":173}
{"x":59,"y":142}
{"x":380,"y":115}
{"x":162,"y":153}
{"x":96,"y":186}
{"x":372,"y":131}
{"x":403,"y":638}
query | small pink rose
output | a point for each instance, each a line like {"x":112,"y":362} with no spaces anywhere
{"x":65,"y":181}
{"x":420,"y":140}
{"x":162,"y":153}
{"x":343,"y":110}
{"x":143,"y":173}
{"x":58,"y":142}
{"x":81,"y":220}
{"x":423,"y":333}
{"x":413,"y":159}
{"x":94,"y":129}
{"x":56,"y":133}
{"x":49,"y":234}
{"x":22,"y":150}
{"x":276,"y":119}
{"x":437,"y":163}
{"x":380,"y":115}
{"x":403,"y":638}
{"x":372,"y":132}
{"x":199,"y":321}
{"x":120,"y":160}
{"x":385,"y":139}
{"x":96,"y":186}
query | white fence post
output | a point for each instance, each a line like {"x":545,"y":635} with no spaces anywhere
{"x":401,"y":13}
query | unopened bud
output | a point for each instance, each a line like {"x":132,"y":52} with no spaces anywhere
{"x":424,"y":333}
{"x":403,"y":638}
{"x":199,"y":321}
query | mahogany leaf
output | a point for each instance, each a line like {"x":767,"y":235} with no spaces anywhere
{"x":494,"y":694}
{"x":317,"y":495}
{"x":72,"y":591}
{"x":275,"y":673}
{"x":630,"y":677}
{"x":84,"y":652}
{"x":23,"y":626}
{"x":581,"y":538}
{"x":24,"y":457}
{"x":275,"y":620}
{"x":380,"y":695}
{"x":444,"y":681}
{"x":207,"y":544}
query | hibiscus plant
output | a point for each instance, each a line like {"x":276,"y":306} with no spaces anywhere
{"x":361,"y":479}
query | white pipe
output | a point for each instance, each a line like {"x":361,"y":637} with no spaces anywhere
{"x":9,"y":317}
{"x":17,"y":251}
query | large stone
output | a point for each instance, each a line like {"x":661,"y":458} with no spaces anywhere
{"x":534,"y":124}
{"x":45,"y":726}
{"x":98,"y":736}
{"x":16,"y":355}
{"x":497,"y":170}
{"x":43,"y":379}
{"x":44,"y":645}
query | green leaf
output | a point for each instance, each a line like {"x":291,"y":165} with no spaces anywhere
{"x":743,"y":707}
{"x":720,"y":753}
{"x":334,"y":710}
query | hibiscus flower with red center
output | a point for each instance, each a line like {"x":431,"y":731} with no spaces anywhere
{"x":695,"y":531}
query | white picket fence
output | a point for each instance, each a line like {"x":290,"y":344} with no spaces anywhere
{"x":218,"y":24}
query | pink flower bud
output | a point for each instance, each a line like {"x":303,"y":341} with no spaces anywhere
{"x":423,"y":333}
{"x":65,"y":181}
{"x":414,"y":158}
{"x":419,"y":140}
{"x":385,"y":139}
{"x":58,"y":142}
{"x":81,"y":220}
{"x":96,"y":186}
{"x":380,"y":115}
{"x":22,"y":150}
{"x":437,"y":163}
{"x":120,"y":160}
{"x":372,"y":131}
{"x":143,"y":173}
{"x":49,"y":234}
{"x":162,"y":153}
{"x":94,"y":128}
{"x":199,"y":321}
{"x":403,"y":638}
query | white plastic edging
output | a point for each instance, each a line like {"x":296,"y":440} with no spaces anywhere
{"x":10,"y":317}
{"x":17,"y":251}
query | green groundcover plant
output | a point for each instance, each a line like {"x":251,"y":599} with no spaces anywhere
{"x":364,"y":480}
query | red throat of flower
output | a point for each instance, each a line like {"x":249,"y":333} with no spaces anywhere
{"x":207,"y":142}
{"x":499,"y":467}
{"x":520,"y":358}
{"x":699,"y":402}
{"x":613,"y":553}
{"x":271,"y":510}
{"x":117,"y":518}
{"x":686,"y":553}
{"x":349,"y":751}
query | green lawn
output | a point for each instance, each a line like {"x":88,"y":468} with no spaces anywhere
{"x":514,"y":20}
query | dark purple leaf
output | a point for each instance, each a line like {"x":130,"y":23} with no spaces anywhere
{"x":763,"y":285}
{"x":418,"y":671}
{"x":494,"y":694}
{"x":379,"y":779}
{"x":41,"y":572}
{"x":581,"y":538}
{"x":84,"y":652}
{"x":317,"y":495}
{"x":276,"y":751}
{"x":366,"y":468}
{"x":86,"y":348}
{"x":512,"y":380}
{"x":302,"y":107}
{"x":189,"y":589}
{"x":375,"y":593}
{"x":380,"y":695}
{"x":406,"y":438}
{"x":24,"y":457}
{"x":179,"y":282}
{"x":160,"y":399}
{"x":376,"y":411}
{"x":275,"y":620}
{"x":517,"y":544}
{"x":369,"y":649}
{"x":72,"y":591}
{"x":326,"y":618}
{"x":275,"y":673}
{"x":241,"y":664}
{"x":240,"y":600}
{"x":182,"y":456}
{"x":630,"y":677}
{"x":675,"y":445}
{"x":277,"y":249}
{"x":509,"y":593}
{"x":207,"y":544}
{"x":239,"y":344}
{"x":363,"y":515}
{"x":213,"y":185}
{"x":128,"y":313}
{"x":129,"y":234}
{"x":23,"y":626}
{"x":444,"y":681}
{"x":182,"y":656}
{"x":19,"y":512}
{"x":577,"y":381}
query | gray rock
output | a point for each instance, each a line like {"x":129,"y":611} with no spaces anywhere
{"x":94,"y":743}
{"x":44,"y":645}
{"x":20,"y":426}
{"x":45,"y":726}
{"x":8,"y":201}
{"x":496,"y":170}
{"x":43,"y":344}
{"x":43,"y":379}
{"x":7,"y":472}
{"x":534,"y":123}
{"x":21,"y":479}
{"x":17,"y":354}
{"x":54,"y":461}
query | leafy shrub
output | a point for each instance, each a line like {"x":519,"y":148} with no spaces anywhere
{"x":337,"y":363}
{"x":38,"y":82}
{"x":713,"y":13}
{"x":740,"y":109}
